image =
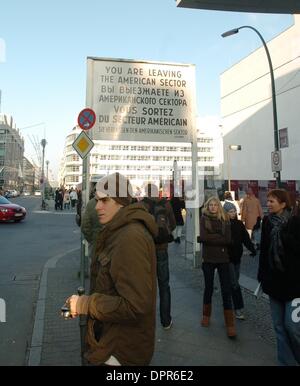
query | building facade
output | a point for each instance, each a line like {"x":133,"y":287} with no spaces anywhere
{"x":11,"y":154}
{"x":247,"y":114}
{"x":142,"y":161}
{"x":28,"y":176}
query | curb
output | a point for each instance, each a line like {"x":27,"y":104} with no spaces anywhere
{"x":35,"y":350}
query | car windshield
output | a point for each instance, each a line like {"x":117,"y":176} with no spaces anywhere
{"x":3,"y":200}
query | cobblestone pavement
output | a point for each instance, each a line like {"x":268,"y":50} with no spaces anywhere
{"x":187,"y":343}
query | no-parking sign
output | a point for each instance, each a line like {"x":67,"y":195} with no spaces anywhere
{"x":86,"y":119}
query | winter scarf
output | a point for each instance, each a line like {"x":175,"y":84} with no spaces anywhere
{"x":219,"y":224}
{"x":276,"y":250}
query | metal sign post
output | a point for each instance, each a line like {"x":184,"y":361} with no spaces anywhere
{"x":83,"y":145}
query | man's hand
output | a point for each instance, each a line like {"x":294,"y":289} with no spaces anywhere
{"x":72,"y":303}
{"x":78,"y":305}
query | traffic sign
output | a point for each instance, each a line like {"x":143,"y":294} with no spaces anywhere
{"x":276,"y":161}
{"x":86,"y":119}
{"x":83,"y":144}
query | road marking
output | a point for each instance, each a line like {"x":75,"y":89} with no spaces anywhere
{"x":47,"y":212}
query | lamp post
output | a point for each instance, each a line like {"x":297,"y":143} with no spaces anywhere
{"x":231,"y":147}
{"x":176,"y":176}
{"x":43,"y":206}
{"x":276,"y":142}
{"x":47,"y":165}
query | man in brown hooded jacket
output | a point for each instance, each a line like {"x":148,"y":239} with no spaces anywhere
{"x":122,"y":303}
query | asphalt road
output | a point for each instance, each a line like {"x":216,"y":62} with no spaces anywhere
{"x":24,"y":249}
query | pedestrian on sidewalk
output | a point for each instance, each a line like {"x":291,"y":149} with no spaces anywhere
{"x":66,"y":200}
{"x":279,"y":273}
{"x":239,"y":237}
{"x":163,"y":214}
{"x":59,"y":197}
{"x":178,"y":205}
{"x":73,"y":198}
{"x":122,"y":305}
{"x":251,"y":211}
{"x":90,"y":225}
{"x":228,"y":198}
{"x":215,"y":235}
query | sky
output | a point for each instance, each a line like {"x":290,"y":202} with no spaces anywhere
{"x":44,"y":46}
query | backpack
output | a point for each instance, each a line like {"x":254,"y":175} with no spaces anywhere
{"x":160,"y":214}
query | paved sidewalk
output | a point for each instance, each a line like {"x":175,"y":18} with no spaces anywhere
{"x":57,"y":341}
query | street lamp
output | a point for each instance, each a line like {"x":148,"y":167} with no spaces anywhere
{"x":43,"y":207}
{"x":47,"y":176}
{"x":276,"y":142}
{"x":234,"y":148}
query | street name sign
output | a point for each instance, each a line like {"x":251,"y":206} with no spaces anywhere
{"x":83,"y":144}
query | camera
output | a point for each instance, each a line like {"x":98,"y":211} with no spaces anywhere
{"x":65,"y":310}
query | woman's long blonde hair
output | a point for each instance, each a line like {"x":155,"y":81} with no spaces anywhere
{"x":221,"y":215}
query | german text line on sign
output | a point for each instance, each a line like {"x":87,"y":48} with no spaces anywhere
{"x":141,"y":101}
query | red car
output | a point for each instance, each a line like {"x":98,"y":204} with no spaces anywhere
{"x":9,"y":211}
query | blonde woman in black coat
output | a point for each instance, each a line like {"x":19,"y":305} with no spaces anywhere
{"x":215,"y":235}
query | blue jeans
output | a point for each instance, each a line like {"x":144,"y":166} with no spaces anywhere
{"x":256,"y":236}
{"x":164,"y":287}
{"x":236,"y":292}
{"x":287,"y":331}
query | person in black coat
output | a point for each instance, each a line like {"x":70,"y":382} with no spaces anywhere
{"x":239,"y":237}
{"x":279,"y":274}
{"x":177,"y":204}
{"x":59,"y":198}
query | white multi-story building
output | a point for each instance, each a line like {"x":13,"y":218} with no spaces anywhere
{"x":143,"y":161}
{"x":11,"y":154}
{"x":247,"y":113}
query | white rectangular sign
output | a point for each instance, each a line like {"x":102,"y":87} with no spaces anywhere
{"x":141,"y":101}
{"x":276,"y":161}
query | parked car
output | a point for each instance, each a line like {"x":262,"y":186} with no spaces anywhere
{"x":11,"y":193}
{"x":10,"y":211}
{"x":37,"y":193}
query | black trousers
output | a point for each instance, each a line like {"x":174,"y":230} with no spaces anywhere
{"x":224,"y":276}
{"x":164,"y":287}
